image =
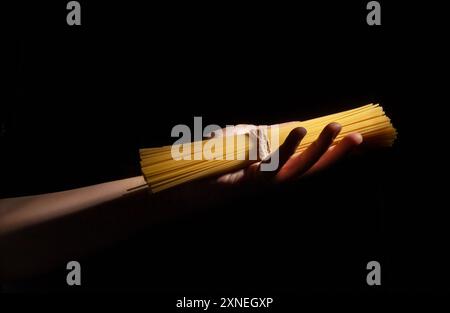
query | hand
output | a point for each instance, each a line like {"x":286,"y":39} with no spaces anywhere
{"x":318,"y":156}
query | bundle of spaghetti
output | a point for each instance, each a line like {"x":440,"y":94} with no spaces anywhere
{"x":162,"y":171}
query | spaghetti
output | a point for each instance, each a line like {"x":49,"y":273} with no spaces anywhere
{"x":162,"y":171}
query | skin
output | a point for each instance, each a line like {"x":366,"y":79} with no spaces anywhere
{"x":317,"y":157}
{"x":86,"y":219}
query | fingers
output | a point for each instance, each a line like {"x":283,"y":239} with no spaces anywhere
{"x":253,"y":172}
{"x":347,"y":144}
{"x":316,"y":157}
{"x":284,"y":152}
{"x":287,"y":149}
{"x":300,"y":164}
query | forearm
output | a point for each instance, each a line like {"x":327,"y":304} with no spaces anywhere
{"x":22,"y":212}
{"x":40,"y":232}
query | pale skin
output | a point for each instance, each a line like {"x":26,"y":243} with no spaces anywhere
{"x":23,"y":215}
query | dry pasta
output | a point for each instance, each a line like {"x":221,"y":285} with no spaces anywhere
{"x":162,"y":171}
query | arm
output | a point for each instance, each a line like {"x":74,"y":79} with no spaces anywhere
{"x":22,"y":212}
{"x":39,"y":232}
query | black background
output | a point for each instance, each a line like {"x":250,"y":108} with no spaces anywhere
{"x":82,"y":100}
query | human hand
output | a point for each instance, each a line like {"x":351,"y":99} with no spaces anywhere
{"x":318,"y":156}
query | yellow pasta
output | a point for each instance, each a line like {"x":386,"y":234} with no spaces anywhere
{"x":162,"y":171}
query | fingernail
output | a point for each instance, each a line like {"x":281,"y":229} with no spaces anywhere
{"x":337,"y":130}
{"x":300,"y":132}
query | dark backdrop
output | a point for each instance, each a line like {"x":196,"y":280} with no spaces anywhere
{"x":82,"y":100}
